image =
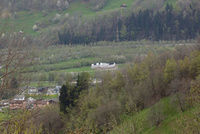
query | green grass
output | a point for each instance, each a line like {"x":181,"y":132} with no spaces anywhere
{"x":173,"y":2}
{"x":115,"y":4}
{"x":72,"y":70}
{"x":26,"y":19}
{"x":43,"y":84}
{"x":2,"y":115}
{"x":59,"y":67}
{"x":44,"y":96}
{"x":84,"y":9}
{"x":171,"y":116}
{"x":169,"y":112}
{"x":75,"y":61}
{"x":78,"y":6}
{"x":77,"y":70}
{"x":120,"y":66}
{"x":167,"y":125}
{"x":81,"y":69}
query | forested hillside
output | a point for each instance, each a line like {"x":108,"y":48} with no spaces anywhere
{"x":86,"y":21}
{"x":149,"y":24}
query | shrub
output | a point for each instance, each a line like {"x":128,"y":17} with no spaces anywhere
{"x":155,"y":116}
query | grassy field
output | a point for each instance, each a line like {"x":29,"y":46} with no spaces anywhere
{"x":44,"y":96}
{"x":115,"y":4}
{"x":23,"y":22}
{"x":52,"y":84}
{"x":170,"y":114}
{"x":78,"y":6}
{"x":43,"y":84}
{"x":173,"y":2}
{"x":167,"y":126}
{"x":77,"y":70}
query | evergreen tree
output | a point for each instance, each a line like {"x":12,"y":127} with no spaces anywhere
{"x":66,"y":98}
{"x":82,"y":82}
{"x":70,"y":94}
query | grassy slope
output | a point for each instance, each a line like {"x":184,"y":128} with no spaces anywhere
{"x":24,"y":22}
{"x":115,"y":4}
{"x":167,"y":125}
{"x":26,"y":19}
{"x":170,"y":114}
{"x":77,"y":6}
{"x":173,"y":2}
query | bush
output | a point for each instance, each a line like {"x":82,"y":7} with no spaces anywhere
{"x":155,"y":116}
{"x":104,"y":112}
{"x":50,"y":119}
{"x":44,"y":13}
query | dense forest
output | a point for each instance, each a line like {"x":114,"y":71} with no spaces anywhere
{"x":100,"y":108}
{"x":145,"y":24}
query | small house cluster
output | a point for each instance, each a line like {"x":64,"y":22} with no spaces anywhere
{"x":19,"y":102}
{"x":44,"y":90}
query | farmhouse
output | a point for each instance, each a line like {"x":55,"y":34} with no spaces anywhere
{"x":19,"y":97}
{"x":103,"y":65}
{"x":43,"y":89}
{"x":4,"y":102}
{"x":123,"y":5}
{"x":42,"y":103}
{"x":32,"y":91}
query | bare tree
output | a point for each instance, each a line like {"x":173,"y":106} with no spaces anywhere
{"x":15,"y":58}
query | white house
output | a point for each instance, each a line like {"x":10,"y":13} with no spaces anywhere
{"x":19,"y":97}
{"x":103,"y":65}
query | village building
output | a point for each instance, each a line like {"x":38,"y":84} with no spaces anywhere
{"x":42,"y":103}
{"x":4,"y":104}
{"x":17,"y":104}
{"x":123,"y":6}
{"x":43,"y":89}
{"x":103,"y":66}
{"x":19,"y":97}
{"x":33,"y":91}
